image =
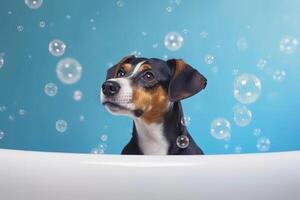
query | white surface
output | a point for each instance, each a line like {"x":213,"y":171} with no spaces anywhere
{"x":27,"y":175}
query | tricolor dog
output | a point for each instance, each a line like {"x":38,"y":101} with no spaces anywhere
{"x":149,"y":91}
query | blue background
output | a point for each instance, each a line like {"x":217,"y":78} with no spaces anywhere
{"x":141,"y":26}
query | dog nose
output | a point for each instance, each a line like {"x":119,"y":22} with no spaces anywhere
{"x":110,"y":88}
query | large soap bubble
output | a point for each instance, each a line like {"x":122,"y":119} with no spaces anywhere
{"x":68,"y":70}
{"x":34,"y":4}
{"x":220,"y":128}
{"x":173,"y":41}
{"x":246,"y":88}
{"x":57,"y":47}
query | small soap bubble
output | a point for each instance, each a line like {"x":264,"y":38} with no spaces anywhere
{"x":94,"y":28}
{"x":97,"y":151}
{"x":92,"y":20}
{"x":102,"y":146}
{"x":68,"y":17}
{"x":51,"y":89}
{"x":186,"y":121}
{"x":173,"y":41}
{"x":81,"y":118}
{"x":185,"y":31}
{"x":154,"y":46}
{"x":42,"y":24}
{"x":34,"y":4}
{"x":288,"y":44}
{"x":61,"y":125}
{"x":1,"y":134}
{"x":257,"y":132}
{"x":261,"y":64}
{"x":9,"y":12}
{"x":220,"y":128}
{"x":235,"y":72}
{"x":209,"y":59}
{"x":238,"y":149}
{"x":242,"y":44}
{"x":263,"y":144}
{"x":278,"y":75}
{"x":68,"y":70}
{"x":169,"y":9}
{"x":242,"y":115}
{"x":11,"y":117}
{"x":246,"y":88}
{"x":144,"y":33}
{"x":182,"y":141}
{"x":57,"y":47}
{"x":22,"y":112}
{"x":1,"y":61}
{"x":120,"y":3}
{"x":20,"y":28}
{"x":203,"y":34}
{"x":104,"y":137}
{"x":77,"y":95}
{"x":2,"y":108}
{"x":226,"y":146}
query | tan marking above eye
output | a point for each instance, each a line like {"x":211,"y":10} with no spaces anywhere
{"x":154,"y":103}
{"x":127,"y":67}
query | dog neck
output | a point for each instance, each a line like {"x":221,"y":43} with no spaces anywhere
{"x":160,"y":138}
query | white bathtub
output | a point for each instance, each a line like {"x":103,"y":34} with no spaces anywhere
{"x":28,"y":175}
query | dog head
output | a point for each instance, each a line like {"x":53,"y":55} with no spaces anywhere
{"x":145,"y":88}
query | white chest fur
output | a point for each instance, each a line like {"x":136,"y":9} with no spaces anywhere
{"x":151,"y":138}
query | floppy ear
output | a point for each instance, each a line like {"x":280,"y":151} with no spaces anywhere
{"x":111,"y":72}
{"x":185,"y":81}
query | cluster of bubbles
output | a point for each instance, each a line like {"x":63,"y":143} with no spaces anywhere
{"x":68,"y":70}
{"x":77,"y":95}
{"x":101,"y":147}
{"x":209,"y":59}
{"x":246,"y":88}
{"x":61,"y":125}
{"x":288,"y":44}
{"x":50,"y":89}
{"x":173,"y":41}
{"x":34,"y":4}
{"x":220,"y":129}
{"x":57,"y":47}
{"x":242,"y":116}
{"x":1,"y":61}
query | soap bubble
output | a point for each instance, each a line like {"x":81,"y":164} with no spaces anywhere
{"x":242,"y":44}
{"x":97,"y":151}
{"x":238,"y":149}
{"x":57,"y":47}
{"x":34,"y":4}
{"x":242,"y":115}
{"x":68,"y":17}
{"x":203,"y":34}
{"x":1,"y":134}
{"x":22,"y":112}
{"x":235,"y":72}
{"x":50,"y":89}
{"x":11,"y":117}
{"x":61,"y":125}
{"x":173,"y":41}
{"x":278,"y":75}
{"x":186,"y":121}
{"x":209,"y":59}
{"x":2,"y":108}
{"x":20,"y":28}
{"x":169,"y":9}
{"x":81,"y":118}
{"x":120,"y":3}
{"x":257,"y":132}
{"x":220,"y":128}
{"x":263,"y":144}
{"x":77,"y":95}
{"x":104,"y":137}
{"x":182,"y":141}
{"x":288,"y":44}
{"x":261,"y":64}
{"x":1,"y":61}
{"x":42,"y":24}
{"x":68,"y":70}
{"x":247,"y":88}
{"x":102,"y":146}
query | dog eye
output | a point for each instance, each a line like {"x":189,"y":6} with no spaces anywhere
{"x":148,"y":76}
{"x":120,"y":73}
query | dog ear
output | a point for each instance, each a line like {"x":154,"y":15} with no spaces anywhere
{"x":185,"y":81}
{"x":111,"y":72}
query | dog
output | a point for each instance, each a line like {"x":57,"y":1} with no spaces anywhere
{"x":149,"y":90}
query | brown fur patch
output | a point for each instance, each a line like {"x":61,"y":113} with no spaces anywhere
{"x":127,"y":67}
{"x":154,"y":103}
{"x":180,"y":65}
